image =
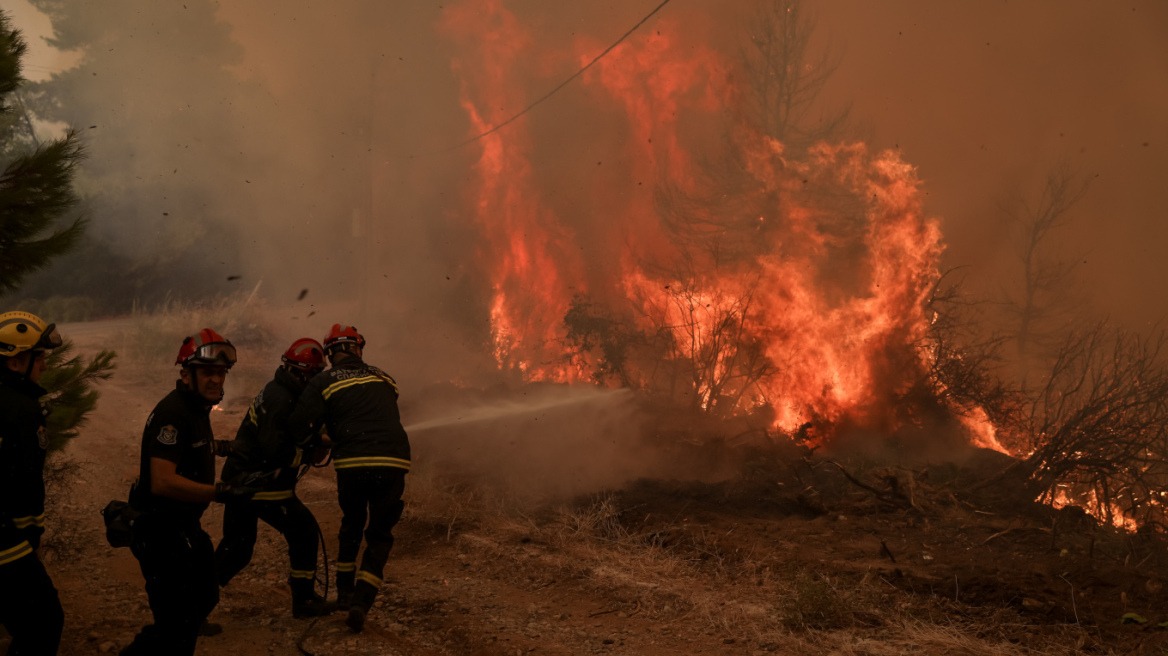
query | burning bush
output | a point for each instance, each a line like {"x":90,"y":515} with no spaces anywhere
{"x":1099,"y":426}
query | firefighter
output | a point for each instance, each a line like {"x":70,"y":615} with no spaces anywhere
{"x":263,"y":446}
{"x":176,"y":483}
{"x":357,"y":403}
{"x":29,"y":607}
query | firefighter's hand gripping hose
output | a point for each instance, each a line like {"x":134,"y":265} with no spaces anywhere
{"x":244,"y":487}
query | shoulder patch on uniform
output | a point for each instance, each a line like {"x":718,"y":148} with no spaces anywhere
{"x":43,"y":437}
{"x":168,"y":435}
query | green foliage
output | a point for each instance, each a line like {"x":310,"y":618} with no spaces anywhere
{"x":36,"y":189}
{"x":12,"y":49}
{"x":70,"y":382}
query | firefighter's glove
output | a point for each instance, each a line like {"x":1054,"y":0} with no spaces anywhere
{"x":224,"y":448}
{"x":228,"y":492}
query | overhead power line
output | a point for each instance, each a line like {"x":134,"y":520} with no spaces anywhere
{"x":565,"y":83}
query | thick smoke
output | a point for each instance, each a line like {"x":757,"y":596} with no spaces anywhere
{"x":311,"y":145}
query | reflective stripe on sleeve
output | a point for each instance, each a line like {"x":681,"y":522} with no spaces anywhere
{"x":372,"y":461}
{"x":335,"y":387}
{"x":346,"y":567}
{"x":303,"y":573}
{"x":19,"y":551}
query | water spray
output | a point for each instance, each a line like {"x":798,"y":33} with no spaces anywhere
{"x":509,"y":408}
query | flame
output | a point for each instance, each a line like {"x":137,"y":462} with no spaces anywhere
{"x":803,"y":291}
{"x":982,"y":431}
{"x":526,"y":251}
{"x":1091,"y":504}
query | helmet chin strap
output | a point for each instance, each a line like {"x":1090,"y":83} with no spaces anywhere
{"x":32,"y":358}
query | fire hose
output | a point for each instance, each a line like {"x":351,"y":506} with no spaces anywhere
{"x":324,"y":552}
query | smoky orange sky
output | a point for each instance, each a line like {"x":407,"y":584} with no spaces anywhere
{"x":984,"y":97}
{"x":362,"y":110}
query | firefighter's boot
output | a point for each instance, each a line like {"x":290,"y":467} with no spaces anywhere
{"x":305,"y":601}
{"x":345,"y":589}
{"x":363,"y":594}
{"x":207,"y":629}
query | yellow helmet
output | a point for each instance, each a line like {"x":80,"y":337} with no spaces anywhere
{"x":21,"y":331}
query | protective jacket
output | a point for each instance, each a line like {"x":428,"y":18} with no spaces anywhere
{"x":179,"y":430}
{"x":262,"y":443}
{"x":357,"y":402}
{"x":23,"y":444}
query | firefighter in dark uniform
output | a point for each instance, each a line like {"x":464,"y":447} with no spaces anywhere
{"x":357,"y":403}
{"x":176,"y":483}
{"x":29,"y":607}
{"x":262,"y":446}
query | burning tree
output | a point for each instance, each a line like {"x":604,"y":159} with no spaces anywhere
{"x":785,"y":79}
{"x":780,"y":283}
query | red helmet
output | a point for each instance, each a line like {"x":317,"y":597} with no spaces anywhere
{"x":206,"y":347}
{"x":305,"y":354}
{"x":340,"y":335}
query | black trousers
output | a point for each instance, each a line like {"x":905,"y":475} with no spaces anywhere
{"x":288,"y":516}
{"x":373,"y":494}
{"x":178,"y":564}
{"x":29,"y":608}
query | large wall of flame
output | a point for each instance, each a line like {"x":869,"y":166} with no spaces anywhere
{"x":334,"y":122}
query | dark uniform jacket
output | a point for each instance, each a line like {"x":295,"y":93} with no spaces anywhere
{"x":357,"y":403}
{"x":23,"y":443}
{"x":262,"y":443}
{"x":179,"y":430}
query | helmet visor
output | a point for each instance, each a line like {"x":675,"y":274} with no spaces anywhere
{"x":213,"y":353}
{"x":50,"y":339}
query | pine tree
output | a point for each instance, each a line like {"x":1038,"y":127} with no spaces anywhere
{"x":36,"y":191}
{"x":70,"y":381}
{"x":36,"y":188}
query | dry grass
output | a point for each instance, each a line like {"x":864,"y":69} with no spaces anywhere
{"x":695,"y":581}
{"x":148,"y":346}
{"x":155,"y":335}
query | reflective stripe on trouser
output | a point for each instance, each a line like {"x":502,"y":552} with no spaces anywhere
{"x":14,"y":553}
{"x":373,"y":494}
{"x":289,"y":516}
{"x":29,"y":607}
{"x":363,"y":462}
